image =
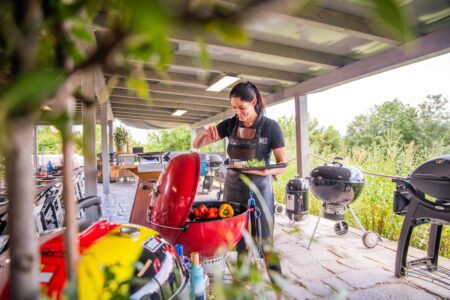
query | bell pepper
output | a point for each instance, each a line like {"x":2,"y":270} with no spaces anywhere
{"x":201,"y":211}
{"x":213,"y":213}
{"x":226,"y":211}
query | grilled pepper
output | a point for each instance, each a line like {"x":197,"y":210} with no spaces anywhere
{"x":226,"y":211}
{"x":201,"y":211}
{"x":213,"y":213}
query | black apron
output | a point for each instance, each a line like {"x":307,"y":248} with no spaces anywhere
{"x":244,"y":144}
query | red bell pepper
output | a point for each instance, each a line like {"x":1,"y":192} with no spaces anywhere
{"x":213,"y":213}
{"x":201,"y":211}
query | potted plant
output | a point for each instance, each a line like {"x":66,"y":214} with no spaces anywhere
{"x":121,"y":137}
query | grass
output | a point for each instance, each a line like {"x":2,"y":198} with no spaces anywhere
{"x":375,"y":205}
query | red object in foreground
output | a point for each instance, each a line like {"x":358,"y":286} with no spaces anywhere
{"x":53,"y":265}
{"x":171,"y":204}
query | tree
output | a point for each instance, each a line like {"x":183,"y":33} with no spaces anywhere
{"x":177,"y":139}
{"x":49,"y":140}
{"x":390,"y":115}
{"x":425,"y":124}
{"x":327,"y":139}
{"x":434,"y":120}
{"x":44,"y":46}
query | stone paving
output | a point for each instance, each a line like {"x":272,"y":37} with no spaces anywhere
{"x":335,"y":267}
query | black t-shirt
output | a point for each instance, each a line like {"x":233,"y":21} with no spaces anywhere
{"x":271,"y":136}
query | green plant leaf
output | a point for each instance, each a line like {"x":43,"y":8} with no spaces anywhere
{"x":81,"y":30}
{"x":30,"y":90}
{"x":393,"y":16}
{"x":139,"y":85}
{"x":204,"y":56}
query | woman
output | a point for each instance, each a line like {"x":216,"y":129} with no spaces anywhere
{"x":251,"y":136}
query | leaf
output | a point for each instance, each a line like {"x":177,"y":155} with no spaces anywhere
{"x":393,"y":16}
{"x":30,"y":90}
{"x":204,"y":56}
{"x":140,"y":86}
{"x":81,"y":30}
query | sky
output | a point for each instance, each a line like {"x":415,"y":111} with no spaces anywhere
{"x":338,"y":106}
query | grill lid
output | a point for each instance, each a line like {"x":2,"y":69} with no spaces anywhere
{"x":339,"y":172}
{"x":172,"y":201}
{"x":433,"y":177}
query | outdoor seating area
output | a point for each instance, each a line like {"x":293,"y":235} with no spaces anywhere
{"x":87,"y":211}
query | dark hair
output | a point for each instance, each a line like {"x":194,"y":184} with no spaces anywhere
{"x":247,"y":91}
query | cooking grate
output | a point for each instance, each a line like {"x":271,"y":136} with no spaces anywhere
{"x":424,"y":269}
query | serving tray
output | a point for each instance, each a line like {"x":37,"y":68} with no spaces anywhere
{"x":273,"y":166}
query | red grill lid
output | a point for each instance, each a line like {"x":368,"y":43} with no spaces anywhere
{"x":171,"y":204}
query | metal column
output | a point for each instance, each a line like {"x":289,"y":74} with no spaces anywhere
{"x":105,"y":147}
{"x":301,"y":134}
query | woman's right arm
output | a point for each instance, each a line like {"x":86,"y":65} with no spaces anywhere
{"x":206,"y":137}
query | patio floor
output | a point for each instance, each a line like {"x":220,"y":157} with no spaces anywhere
{"x":335,"y":267}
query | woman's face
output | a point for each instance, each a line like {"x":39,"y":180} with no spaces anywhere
{"x":243,"y":109}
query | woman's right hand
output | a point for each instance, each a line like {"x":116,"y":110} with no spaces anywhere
{"x":206,"y":137}
{"x":212,"y":133}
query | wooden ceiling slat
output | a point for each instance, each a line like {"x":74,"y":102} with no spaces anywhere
{"x":301,"y":55}
{"x":240,"y":69}
{"x":225,"y":103}
{"x":165,"y":104}
{"x":333,"y":20}
{"x":179,"y":90}
{"x":121,"y":107}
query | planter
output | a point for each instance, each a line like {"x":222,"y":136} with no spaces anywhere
{"x":122,"y":148}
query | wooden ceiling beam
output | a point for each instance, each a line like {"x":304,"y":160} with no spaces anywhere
{"x":225,"y":103}
{"x":240,"y":70}
{"x":178,"y":90}
{"x":137,"y":108}
{"x":301,"y":55}
{"x":155,"y":117}
{"x":165,"y":104}
{"x":332,"y":20}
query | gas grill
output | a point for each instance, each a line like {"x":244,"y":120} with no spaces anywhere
{"x":423,"y":198}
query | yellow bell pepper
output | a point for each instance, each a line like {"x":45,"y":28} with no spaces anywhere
{"x":226,"y":211}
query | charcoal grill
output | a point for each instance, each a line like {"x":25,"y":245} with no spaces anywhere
{"x":337,"y":186}
{"x":171,"y":205}
{"x":424,"y":197}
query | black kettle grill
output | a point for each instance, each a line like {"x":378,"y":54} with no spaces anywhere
{"x":337,"y":186}
{"x":424,"y":197}
{"x":297,"y":192}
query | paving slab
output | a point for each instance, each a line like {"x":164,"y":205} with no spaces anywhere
{"x":391,"y":291}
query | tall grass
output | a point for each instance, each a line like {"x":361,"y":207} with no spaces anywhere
{"x":374,"y":206}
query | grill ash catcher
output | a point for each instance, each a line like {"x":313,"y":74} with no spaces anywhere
{"x":337,"y":186}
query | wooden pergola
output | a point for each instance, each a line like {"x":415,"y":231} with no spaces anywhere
{"x":288,"y":56}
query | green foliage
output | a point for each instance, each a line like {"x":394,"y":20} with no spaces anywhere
{"x":177,"y":139}
{"x":49,"y":140}
{"x":121,"y":136}
{"x":425,"y":125}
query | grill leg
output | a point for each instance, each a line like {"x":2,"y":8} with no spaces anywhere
{"x":315,"y":228}
{"x":434,"y":243}
{"x":403,"y":244}
{"x":355,"y":217}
